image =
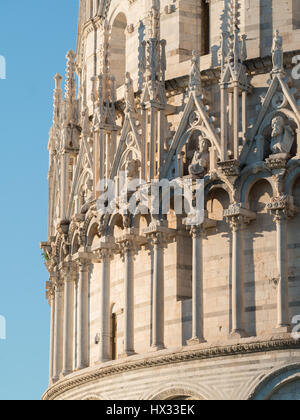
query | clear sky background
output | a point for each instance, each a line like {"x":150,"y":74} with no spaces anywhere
{"x":34,"y":38}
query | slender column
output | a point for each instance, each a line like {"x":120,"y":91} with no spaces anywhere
{"x":129,"y":299}
{"x":237,"y":217}
{"x":238,"y":298}
{"x":68,"y":340}
{"x":283,"y":281}
{"x":224,"y":124}
{"x":82,"y":315}
{"x":158,"y":316}
{"x":58,"y":330}
{"x":105,"y":315}
{"x":64,"y":179}
{"x":197,"y":286}
{"x":153,"y":140}
{"x":236,"y":120}
{"x":282,"y":208}
{"x":52,"y":327}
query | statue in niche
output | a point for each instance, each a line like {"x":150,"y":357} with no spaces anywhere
{"x":132,"y":167}
{"x":277,"y":52}
{"x":282,"y":136}
{"x":87,"y":195}
{"x":200,"y":162}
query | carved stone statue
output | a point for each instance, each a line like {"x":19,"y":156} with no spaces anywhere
{"x":129,"y":94}
{"x":195,"y":75}
{"x":282,"y":136}
{"x":87,"y":196}
{"x":277,"y":53}
{"x":200,"y":162}
{"x":132,"y":168}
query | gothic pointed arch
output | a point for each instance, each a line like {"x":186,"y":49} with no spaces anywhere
{"x":129,"y":149}
{"x":118,"y":48}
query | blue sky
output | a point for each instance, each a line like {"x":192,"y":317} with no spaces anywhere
{"x":34,"y":38}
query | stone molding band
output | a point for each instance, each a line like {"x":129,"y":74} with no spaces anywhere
{"x":162,"y":360}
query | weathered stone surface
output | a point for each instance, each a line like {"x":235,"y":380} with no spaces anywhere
{"x":144,"y":307}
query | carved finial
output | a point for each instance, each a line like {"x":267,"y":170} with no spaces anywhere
{"x":195,"y":75}
{"x":57,"y":98}
{"x":70,"y":76}
{"x":58,"y":79}
{"x":85,"y":122}
{"x":129,"y":94}
{"x":93,"y":89}
{"x":100,"y":89}
{"x":154,"y":15}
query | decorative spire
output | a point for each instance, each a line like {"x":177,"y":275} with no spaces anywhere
{"x":195,"y":75}
{"x":233,"y":48}
{"x":57,"y":99}
{"x":154,"y":16}
{"x":233,"y":78}
{"x":154,"y":58}
{"x":70,"y":88}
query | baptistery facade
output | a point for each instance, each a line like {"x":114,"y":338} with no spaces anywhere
{"x":176,"y":301}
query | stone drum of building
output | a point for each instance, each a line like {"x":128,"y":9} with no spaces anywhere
{"x":147,"y":300}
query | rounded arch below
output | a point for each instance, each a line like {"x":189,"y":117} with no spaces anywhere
{"x":280,"y":384}
{"x":93,"y":397}
{"x":176,"y":391}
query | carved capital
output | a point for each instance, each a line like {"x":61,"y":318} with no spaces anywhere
{"x":69,"y":271}
{"x":158,"y":239}
{"x":130,"y":241}
{"x":282,"y":207}
{"x":59,"y":284}
{"x":277,"y":162}
{"x":159,"y":234}
{"x":84,"y":261}
{"x":104,"y":254}
{"x":201,"y":226}
{"x":50,"y":291}
{"x":128,"y":245}
{"x":197,"y":231}
{"x":230,"y":168}
{"x":237,"y":216}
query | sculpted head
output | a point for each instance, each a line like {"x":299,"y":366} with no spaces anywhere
{"x":277,"y":126}
{"x":203,"y":144}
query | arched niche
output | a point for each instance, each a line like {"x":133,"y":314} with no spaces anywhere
{"x":264,"y":136}
{"x":116,"y":225}
{"x":92,"y":234}
{"x":84,"y":190}
{"x":75,"y":244}
{"x":179,"y":392}
{"x":217,"y":201}
{"x":260,"y":261}
{"x":189,"y":144}
{"x":279,"y":384}
{"x":141,"y":222}
{"x":288,"y":391}
{"x":118,"y":49}
{"x":260,"y":196}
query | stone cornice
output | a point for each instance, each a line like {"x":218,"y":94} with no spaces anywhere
{"x":164,"y":358}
